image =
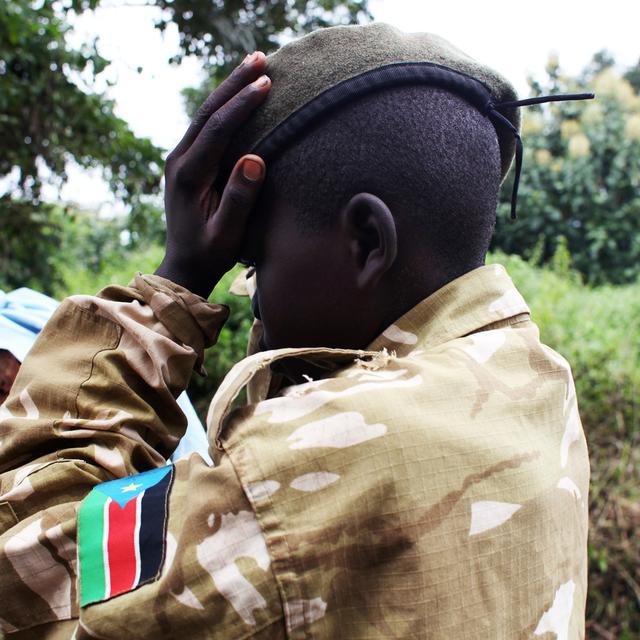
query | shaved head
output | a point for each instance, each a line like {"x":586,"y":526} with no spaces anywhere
{"x":432,"y":157}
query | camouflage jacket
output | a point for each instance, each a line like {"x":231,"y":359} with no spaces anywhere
{"x":433,"y":486}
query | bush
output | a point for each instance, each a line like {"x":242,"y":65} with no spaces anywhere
{"x":79,"y":276}
{"x":28,"y":232}
{"x":230,"y":348}
{"x":581,"y":177}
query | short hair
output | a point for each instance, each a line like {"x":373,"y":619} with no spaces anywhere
{"x":427,"y":153}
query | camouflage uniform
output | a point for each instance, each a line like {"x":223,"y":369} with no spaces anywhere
{"x":434,"y":486}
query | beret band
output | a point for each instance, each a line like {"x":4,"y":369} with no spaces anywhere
{"x":392,"y":75}
{"x":327,"y":67}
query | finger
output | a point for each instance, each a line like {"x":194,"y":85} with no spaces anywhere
{"x":251,"y":68}
{"x":200,"y":162}
{"x":229,"y":222}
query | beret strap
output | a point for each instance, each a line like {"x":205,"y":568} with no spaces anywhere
{"x":560,"y":97}
{"x":391,"y":75}
{"x":494,"y":113}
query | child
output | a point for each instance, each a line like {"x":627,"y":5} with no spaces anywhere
{"x":416,"y":468}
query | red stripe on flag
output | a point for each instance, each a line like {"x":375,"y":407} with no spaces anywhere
{"x":121,"y":546}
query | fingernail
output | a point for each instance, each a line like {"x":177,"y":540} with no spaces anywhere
{"x":262,"y":81}
{"x":252,"y":170}
{"x":250,"y":58}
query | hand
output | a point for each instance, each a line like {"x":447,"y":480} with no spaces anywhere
{"x":205,"y":230}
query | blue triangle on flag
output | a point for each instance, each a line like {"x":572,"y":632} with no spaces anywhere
{"x":124,"y":489}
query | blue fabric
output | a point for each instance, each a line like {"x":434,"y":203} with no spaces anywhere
{"x":23,"y":313}
{"x":195,"y":437}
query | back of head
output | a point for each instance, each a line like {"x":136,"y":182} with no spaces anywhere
{"x":433,"y":158}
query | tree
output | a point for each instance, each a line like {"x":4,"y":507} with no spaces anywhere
{"x":581,"y":176}
{"x":632,"y":76}
{"x":222,"y":33}
{"x":29,"y":244}
{"x":50,"y":115}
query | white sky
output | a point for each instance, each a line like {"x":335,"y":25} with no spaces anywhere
{"x":512,"y":36}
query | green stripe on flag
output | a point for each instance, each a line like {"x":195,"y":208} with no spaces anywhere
{"x":90,"y":539}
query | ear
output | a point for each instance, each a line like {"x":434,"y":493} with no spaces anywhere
{"x":370,"y":229}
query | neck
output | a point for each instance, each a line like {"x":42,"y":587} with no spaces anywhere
{"x":412,"y":283}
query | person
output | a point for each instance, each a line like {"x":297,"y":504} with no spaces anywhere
{"x":410,"y":460}
{"x":23,"y":314}
{"x":9,"y":366}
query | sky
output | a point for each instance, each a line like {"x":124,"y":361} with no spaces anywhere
{"x":512,"y":36}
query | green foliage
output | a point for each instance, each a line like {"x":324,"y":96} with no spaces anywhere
{"x":222,"y":33}
{"x":50,"y":115}
{"x":29,"y":244}
{"x":230,"y":348}
{"x":49,"y":112}
{"x":632,"y":76}
{"x":219,"y":33}
{"x":82,"y":272}
{"x":95,"y":251}
{"x":59,"y":250}
{"x":581,"y":177}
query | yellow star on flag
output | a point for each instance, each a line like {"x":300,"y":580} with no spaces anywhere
{"x":130,"y":487}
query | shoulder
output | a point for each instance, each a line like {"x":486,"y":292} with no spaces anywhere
{"x":426,"y":400}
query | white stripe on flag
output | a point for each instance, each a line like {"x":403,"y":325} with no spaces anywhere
{"x":136,"y":539}
{"x":105,"y":548}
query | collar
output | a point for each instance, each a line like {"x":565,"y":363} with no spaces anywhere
{"x":474,"y":301}
{"x":481,"y":298}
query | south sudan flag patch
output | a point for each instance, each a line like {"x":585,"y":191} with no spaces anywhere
{"x":122,"y":532}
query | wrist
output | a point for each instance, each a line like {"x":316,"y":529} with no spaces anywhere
{"x":187,"y":276}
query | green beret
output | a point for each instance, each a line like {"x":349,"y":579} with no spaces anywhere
{"x":329,"y":67}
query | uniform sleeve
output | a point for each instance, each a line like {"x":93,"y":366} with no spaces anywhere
{"x":100,"y":384}
{"x":94,"y":401}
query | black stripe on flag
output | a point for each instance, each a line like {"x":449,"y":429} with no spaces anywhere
{"x":154,"y":512}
